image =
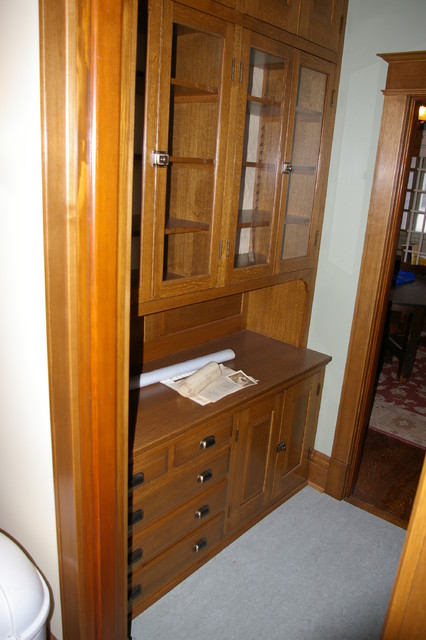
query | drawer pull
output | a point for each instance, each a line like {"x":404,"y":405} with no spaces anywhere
{"x":135,"y":556}
{"x":202,"y":512}
{"x":135,"y":592}
{"x":136,"y":480}
{"x":281,"y":446}
{"x":136,"y":516}
{"x":200,"y":545}
{"x":206,"y":475}
{"x":208,"y":442}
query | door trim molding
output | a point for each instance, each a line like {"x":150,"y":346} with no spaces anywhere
{"x":406,"y":82}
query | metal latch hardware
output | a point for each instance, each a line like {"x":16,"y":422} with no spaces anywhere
{"x":159,"y":158}
{"x":286,"y":167}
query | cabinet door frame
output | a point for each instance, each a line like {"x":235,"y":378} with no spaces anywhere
{"x":309,"y":260}
{"x":152,"y":285}
{"x":252,"y":40}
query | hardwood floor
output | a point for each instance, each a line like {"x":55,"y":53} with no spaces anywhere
{"x":388,"y":477}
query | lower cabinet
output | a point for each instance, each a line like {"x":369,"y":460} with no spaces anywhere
{"x":202,"y":488}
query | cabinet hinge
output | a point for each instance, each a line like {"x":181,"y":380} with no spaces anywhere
{"x":233,"y":70}
{"x":319,"y":388}
{"x":342,"y":24}
{"x":333,"y":95}
{"x":241,"y":70}
{"x":220,"y":249}
{"x":310,"y":454}
{"x":237,"y":432}
{"x":228,"y":246}
{"x":316,"y":238}
{"x":229,"y":509}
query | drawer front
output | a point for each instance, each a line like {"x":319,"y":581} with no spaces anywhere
{"x":152,"y":464}
{"x":170,"y":565}
{"x":199,"y":441}
{"x":192,"y":515}
{"x":180,"y":487}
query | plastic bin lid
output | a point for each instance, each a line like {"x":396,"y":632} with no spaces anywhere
{"x":24,"y":597}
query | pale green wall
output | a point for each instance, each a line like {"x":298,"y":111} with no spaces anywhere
{"x":27,"y":509}
{"x":373,"y":26}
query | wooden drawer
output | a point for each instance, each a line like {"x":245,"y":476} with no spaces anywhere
{"x":152,"y":464}
{"x":151,"y":541}
{"x":202,"y":440}
{"x":180,"y":486}
{"x":154,"y":576}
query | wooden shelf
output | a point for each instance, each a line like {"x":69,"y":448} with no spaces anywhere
{"x":263,"y":107}
{"x":184,"y":91}
{"x":308,"y":115}
{"x":249,"y":218}
{"x":297,"y":220}
{"x":306,"y":170}
{"x":245,"y":260}
{"x":179,"y":225}
{"x":206,"y":162}
{"x":268,"y":166}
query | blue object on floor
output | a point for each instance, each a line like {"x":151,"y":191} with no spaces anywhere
{"x":404,"y":276}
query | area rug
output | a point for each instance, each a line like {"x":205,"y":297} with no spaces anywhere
{"x":399,"y":409}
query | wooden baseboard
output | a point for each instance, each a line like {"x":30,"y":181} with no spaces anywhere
{"x":318,"y":470}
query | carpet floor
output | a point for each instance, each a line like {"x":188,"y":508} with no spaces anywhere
{"x":314,"y":569}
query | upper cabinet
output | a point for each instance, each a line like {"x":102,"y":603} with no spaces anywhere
{"x":323,"y":22}
{"x":232,"y":140}
{"x":254,"y":180}
{"x":306,"y":167}
{"x":187,"y":106}
{"x":281,"y":13}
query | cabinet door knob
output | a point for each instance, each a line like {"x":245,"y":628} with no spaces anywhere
{"x":206,"y":475}
{"x":208,"y":442}
{"x":200,"y":545}
{"x":202,"y":512}
{"x":159,"y":158}
{"x":281,"y":446}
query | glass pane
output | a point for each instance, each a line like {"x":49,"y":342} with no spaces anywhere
{"x":260,"y":159}
{"x":305,"y":156}
{"x":196,"y":68}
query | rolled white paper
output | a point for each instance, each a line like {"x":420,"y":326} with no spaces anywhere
{"x":194,"y":383}
{"x":151,"y":377}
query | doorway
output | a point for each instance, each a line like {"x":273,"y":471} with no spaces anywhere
{"x":393,"y":449}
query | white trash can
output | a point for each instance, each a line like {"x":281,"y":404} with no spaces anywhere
{"x":24,"y":596}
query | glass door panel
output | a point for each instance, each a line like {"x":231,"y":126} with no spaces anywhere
{"x":193,"y":127}
{"x":304,"y":162}
{"x":261,"y":158}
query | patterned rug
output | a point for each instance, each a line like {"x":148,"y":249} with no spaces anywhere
{"x":399,"y":409}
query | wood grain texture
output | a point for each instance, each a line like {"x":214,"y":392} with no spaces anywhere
{"x":86,"y":124}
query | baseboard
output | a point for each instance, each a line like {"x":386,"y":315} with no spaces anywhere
{"x":318,"y":470}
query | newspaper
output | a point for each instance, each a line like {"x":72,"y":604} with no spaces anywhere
{"x":228,"y":382}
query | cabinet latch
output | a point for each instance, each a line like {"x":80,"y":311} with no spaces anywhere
{"x":159,"y":158}
{"x":286,"y":167}
{"x":281,"y":446}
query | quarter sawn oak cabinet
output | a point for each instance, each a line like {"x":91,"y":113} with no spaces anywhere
{"x":234,"y":112}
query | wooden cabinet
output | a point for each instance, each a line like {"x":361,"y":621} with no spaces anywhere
{"x":186,"y":127}
{"x":202,"y":474}
{"x":323,"y":22}
{"x":281,"y":13}
{"x":234,"y":148}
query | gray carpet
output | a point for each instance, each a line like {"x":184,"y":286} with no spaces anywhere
{"x":315,"y":568}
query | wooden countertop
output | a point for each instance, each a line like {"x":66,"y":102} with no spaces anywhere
{"x":157,"y":412}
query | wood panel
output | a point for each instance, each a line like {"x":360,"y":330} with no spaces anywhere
{"x":86,"y":127}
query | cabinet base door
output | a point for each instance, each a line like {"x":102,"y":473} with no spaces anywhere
{"x":297,"y":434}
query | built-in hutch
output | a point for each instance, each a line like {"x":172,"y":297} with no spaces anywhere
{"x":234,"y":112}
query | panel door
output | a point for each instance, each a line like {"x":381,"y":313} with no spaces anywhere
{"x":186,"y":123}
{"x":306,"y":166}
{"x":297,"y":434}
{"x":281,"y":13}
{"x":323,"y":22}
{"x":257,"y":429}
{"x":254,"y":182}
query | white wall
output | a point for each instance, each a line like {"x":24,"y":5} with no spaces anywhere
{"x":373,"y":26}
{"x":27,"y":510}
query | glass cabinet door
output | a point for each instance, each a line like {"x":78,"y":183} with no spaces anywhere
{"x":190,"y":148}
{"x":303,"y":168}
{"x":263,"y":103}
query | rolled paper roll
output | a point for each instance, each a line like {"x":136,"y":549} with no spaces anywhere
{"x":151,"y":377}
{"x":197,"y":381}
